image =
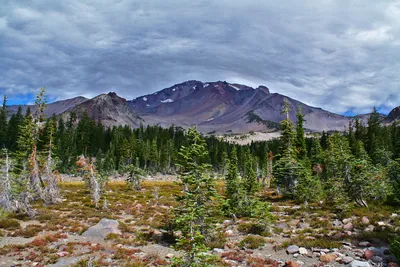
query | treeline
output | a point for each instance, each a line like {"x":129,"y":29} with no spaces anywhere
{"x":358,"y":165}
{"x":153,"y":147}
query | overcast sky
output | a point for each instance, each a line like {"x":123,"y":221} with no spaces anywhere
{"x":343,"y":56}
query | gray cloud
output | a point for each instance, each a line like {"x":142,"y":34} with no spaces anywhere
{"x":338,"y":55}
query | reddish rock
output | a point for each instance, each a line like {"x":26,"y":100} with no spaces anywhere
{"x":348,"y":226}
{"x":365,"y":220}
{"x":368,"y":254}
{"x":393,"y":264}
{"x":292,"y":264}
{"x":328,"y":257}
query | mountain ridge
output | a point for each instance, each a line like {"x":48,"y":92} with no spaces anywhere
{"x":219,"y":107}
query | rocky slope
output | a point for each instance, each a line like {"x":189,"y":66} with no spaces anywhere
{"x":223,"y":107}
{"x":56,"y":108}
{"x":394,"y":115}
{"x":109,"y":109}
{"x":215,"y":107}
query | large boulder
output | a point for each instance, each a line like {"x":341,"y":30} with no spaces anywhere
{"x":102,"y":229}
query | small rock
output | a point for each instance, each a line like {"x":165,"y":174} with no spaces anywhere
{"x":370,"y":228}
{"x":348,"y":226}
{"x":62,"y":254}
{"x":368,"y":254}
{"x":357,"y":263}
{"x":364,"y":244}
{"x":294,"y":222}
{"x":328,"y":257}
{"x":365,"y":220}
{"x":218,"y":250}
{"x":295,"y":255}
{"x":303,"y":251}
{"x":119,"y":245}
{"x":226,"y":222}
{"x":228,"y":233}
{"x":377,"y":259}
{"x":347,"y":220}
{"x":392,"y":264}
{"x":303,"y":225}
{"x":292,"y":249}
{"x":231,"y":262}
{"x":337,"y":224}
{"x":394,"y":215}
{"x":282,"y":226}
{"x":347,"y":260}
{"x":169,"y":256}
{"x":381,"y":223}
{"x":292,"y":264}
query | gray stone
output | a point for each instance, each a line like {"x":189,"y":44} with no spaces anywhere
{"x":303,"y":251}
{"x":102,"y":229}
{"x":337,"y":224}
{"x":282,"y":225}
{"x":377,"y":259}
{"x":347,"y":260}
{"x":303,"y":225}
{"x":292,"y":249}
{"x":218,"y":250}
{"x":357,"y":263}
{"x":364,"y":244}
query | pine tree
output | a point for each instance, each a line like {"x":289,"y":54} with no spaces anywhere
{"x":286,"y":166}
{"x":193,"y":212}
{"x":373,"y":139}
{"x":13,"y":130}
{"x":3,"y":124}
{"x":232,"y":183}
{"x":300,"y":142}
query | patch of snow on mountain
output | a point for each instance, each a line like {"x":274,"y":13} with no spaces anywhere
{"x":147,"y":105}
{"x":194,"y":87}
{"x":167,"y":101}
{"x":144,"y":98}
{"x":174,"y":89}
{"x":206,"y":85}
{"x":210,"y":119}
{"x":234,"y":87}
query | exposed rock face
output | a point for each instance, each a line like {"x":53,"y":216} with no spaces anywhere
{"x":394,"y":115}
{"x":223,"y":107}
{"x":109,"y":109}
{"x":219,"y":107}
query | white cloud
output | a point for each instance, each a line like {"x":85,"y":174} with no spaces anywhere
{"x":324,"y":53}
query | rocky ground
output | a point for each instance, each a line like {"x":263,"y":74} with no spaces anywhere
{"x":132,"y":230}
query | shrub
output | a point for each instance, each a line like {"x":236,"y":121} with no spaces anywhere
{"x":252,"y":242}
{"x":395,"y":247}
{"x":10,"y":224}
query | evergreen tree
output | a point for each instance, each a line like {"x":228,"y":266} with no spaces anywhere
{"x":193,"y":213}
{"x":300,"y":142}
{"x":3,"y":124}
{"x":373,"y":139}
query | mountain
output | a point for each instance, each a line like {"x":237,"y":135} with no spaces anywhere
{"x":56,"y":108}
{"x":109,"y":109}
{"x":394,"y":115}
{"x":224,"y":107}
{"x":218,"y":107}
